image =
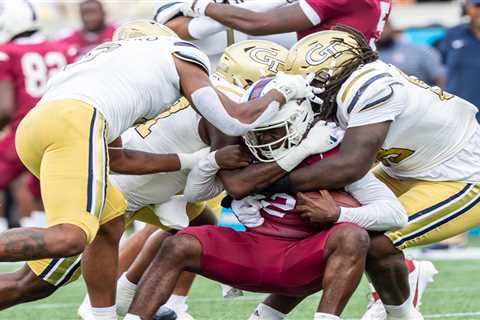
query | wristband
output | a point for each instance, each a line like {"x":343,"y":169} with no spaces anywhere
{"x":293,"y":158}
{"x":201,"y":6}
{"x":187,"y":160}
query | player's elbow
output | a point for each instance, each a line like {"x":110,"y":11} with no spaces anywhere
{"x":238,"y":190}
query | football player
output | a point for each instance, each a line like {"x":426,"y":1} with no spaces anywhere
{"x":95,"y":29}
{"x":425,"y":139}
{"x":279,"y":253}
{"x":27,"y":61}
{"x":277,"y":16}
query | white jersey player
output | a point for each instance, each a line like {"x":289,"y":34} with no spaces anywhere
{"x":427,"y":141}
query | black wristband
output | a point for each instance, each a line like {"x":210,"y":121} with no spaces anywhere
{"x":282,"y":185}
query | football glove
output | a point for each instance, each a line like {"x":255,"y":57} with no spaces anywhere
{"x":168,"y":10}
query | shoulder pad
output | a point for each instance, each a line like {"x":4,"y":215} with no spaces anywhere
{"x":187,"y":51}
{"x":366,"y":88}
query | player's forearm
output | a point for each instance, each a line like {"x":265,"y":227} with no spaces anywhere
{"x":252,"y":179}
{"x":139,"y":163}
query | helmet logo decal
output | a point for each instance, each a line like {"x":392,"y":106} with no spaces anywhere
{"x":266,"y":57}
{"x":319,"y":54}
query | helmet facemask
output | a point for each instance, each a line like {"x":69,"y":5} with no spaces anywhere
{"x":285,"y":132}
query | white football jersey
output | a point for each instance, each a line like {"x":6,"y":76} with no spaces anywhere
{"x":173,"y":131}
{"x":429,"y":126}
{"x":128,"y":81}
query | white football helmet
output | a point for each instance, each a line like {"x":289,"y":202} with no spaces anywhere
{"x":141,"y":28}
{"x":295,"y":117}
{"x":16,"y":17}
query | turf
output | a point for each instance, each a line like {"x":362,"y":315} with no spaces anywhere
{"x":455,"y":295}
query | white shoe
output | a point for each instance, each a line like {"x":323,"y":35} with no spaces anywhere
{"x":182,"y":314}
{"x":418,"y":280}
{"x":85,"y":310}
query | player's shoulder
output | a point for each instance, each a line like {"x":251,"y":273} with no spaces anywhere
{"x":369,"y":85}
{"x":187,"y":51}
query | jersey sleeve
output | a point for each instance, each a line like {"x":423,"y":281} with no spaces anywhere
{"x":5,"y":66}
{"x":320,"y":10}
{"x":370,"y":95}
{"x":187,"y":51}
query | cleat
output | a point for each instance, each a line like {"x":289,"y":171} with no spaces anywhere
{"x":421,"y":273}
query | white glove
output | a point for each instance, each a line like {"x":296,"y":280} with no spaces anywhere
{"x":248,"y":209}
{"x":189,"y":160}
{"x":294,"y":87}
{"x":196,"y":10}
{"x":168,"y":9}
{"x":321,"y":138}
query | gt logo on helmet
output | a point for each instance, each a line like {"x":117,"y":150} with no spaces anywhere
{"x":319,"y":54}
{"x":266,"y":57}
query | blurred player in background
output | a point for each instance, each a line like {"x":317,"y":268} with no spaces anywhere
{"x":27,"y":61}
{"x":95,"y":28}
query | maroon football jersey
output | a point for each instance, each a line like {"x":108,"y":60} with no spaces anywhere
{"x":29,"y":63}
{"x":280,"y":215}
{"x":367,"y":16}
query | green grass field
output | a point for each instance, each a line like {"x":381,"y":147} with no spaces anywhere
{"x":455,"y":295}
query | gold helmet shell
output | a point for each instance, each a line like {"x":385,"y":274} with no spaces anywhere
{"x":140,"y":28}
{"x":245,"y":62}
{"x":324,"y":53}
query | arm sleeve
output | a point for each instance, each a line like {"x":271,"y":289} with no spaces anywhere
{"x":202,"y":27}
{"x":5,"y":66}
{"x":202,"y":183}
{"x":380,"y":210}
{"x":209,"y":105}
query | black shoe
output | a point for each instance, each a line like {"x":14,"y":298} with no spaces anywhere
{"x":165,"y":314}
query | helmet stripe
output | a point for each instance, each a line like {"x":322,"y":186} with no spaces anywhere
{"x":258,"y":89}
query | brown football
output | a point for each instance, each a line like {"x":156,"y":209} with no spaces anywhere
{"x":342,"y":198}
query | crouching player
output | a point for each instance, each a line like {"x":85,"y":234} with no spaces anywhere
{"x":280,"y":253}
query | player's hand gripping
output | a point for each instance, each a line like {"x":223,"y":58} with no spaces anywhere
{"x":319,"y":211}
{"x":233,"y":157}
{"x":196,"y":8}
{"x":167,"y":10}
{"x":294,"y":87}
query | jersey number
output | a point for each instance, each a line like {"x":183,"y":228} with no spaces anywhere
{"x":443,"y":95}
{"x":145,"y":129}
{"x":37,"y":69}
{"x":393,"y":155}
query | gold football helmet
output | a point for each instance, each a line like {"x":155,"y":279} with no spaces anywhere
{"x":247,"y":61}
{"x":140,"y":28}
{"x":325,"y":51}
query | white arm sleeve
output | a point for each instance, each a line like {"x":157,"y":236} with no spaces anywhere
{"x":202,"y":183}
{"x":209,"y":105}
{"x":380,"y":210}
{"x":202,"y":27}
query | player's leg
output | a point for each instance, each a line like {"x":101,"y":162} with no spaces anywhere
{"x":22,"y":286}
{"x":63,"y":143}
{"x":346,"y":251}
{"x":131,"y":248}
{"x":177,"y":253}
{"x":437,"y":211}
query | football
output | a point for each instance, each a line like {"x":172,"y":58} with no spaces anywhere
{"x":342,"y":198}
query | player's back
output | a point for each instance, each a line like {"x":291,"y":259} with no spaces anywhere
{"x":429,"y":125}
{"x":127,"y":81}
{"x":174,"y":131}
{"x":29,"y":62}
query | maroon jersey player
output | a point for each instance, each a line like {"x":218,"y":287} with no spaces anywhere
{"x":273,"y":17}
{"x":282,"y":252}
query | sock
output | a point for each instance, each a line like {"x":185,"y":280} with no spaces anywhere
{"x":325,"y":316}
{"x":131,"y":317}
{"x":108,"y":313}
{"x":125,"y":293}
{"x":404,"y":311}
{"x":265,"y":312}
{"x":176,"y":302}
